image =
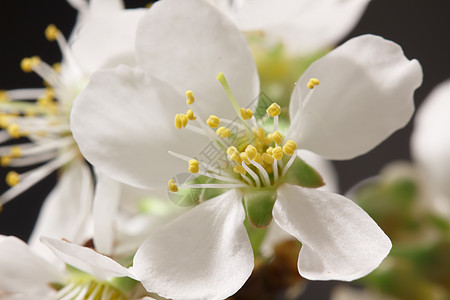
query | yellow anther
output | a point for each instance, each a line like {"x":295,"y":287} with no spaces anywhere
{"x":57,"y":67}
{"x":244,"y":157}
{"x":193,"y":166}
{"x":277,"y":153}
{"x":259,"y":132}
{"x":251,"y":152}
{"x":277,"y":137}
{"x":231,"y":150}
{"x":239,"y":169}
{"x":15,"y":152}
{"x":51,"y":32}
{"x":246,"y":113}
{"x":223,"y":132}
{"x":172,"y":186}
{"x":4,"y":121}
{"x":273,"y":110}
{"x":190,"y":115}
{"x":5,"y":161}
{"x":28,"y":63}
{"x":12,"y":178}
{"x":289,"y":147}
{"x":189,"y":97}
{"x":4,"y":96}
{"x":258,"y":158}
{"x":180,"y":121}
{"x":267,"y":158}
{"x":312,"y":83}
{"x":14,"y":131}
{"x":236,"y":157}
{"x":213,"y":121}
{"x":269,"y":150}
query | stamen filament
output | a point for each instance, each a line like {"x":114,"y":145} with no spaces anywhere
{"x":214,"y":186}
{"x":253,"y":174}
{"x":262,"y":171}
{"x":289,"y":163}
{"x":275,"y":170}
{"x":25,"y":94}
{"x":219,"y":177}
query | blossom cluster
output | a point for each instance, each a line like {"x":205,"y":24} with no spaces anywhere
{"x":186,"y":155}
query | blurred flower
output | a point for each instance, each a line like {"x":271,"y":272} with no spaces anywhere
{"x":123,"y":122}
{"x":25,"y":275}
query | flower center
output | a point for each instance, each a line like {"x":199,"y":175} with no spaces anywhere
{"x":254,"y":156}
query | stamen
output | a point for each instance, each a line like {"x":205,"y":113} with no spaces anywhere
{"x":262,"y":171}
{"x":14,"y":131}
{"x":289,"y":147}
{"x":214,"y":186}
{"x":190,"y":115}
{"x":29,"y":63}
{"x":213,"y":121}
{"x":193,"y":166}
{"x":24,"y":94}
{"x":12,"y":178}
{"x":312,"y":83}
{"x":277,"y":137}
{"x":275,"y":170}
{"x":223,"y":132}
{"x":51,"y":32}
{"x":253,"y":174}
{"x":239,"y":169}
{"x":4,"y":96}
{"x":189,"y":97}
{"x":277,"y":153}
{"x":246,"y":113}
{"x":187,"y":159}
{"x":273,"y":110}
{"x":289,"y":163}
{"x":180,"y":121}
{"x":172,"y":186}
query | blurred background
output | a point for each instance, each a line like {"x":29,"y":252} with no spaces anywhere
{"x":421,"y":27}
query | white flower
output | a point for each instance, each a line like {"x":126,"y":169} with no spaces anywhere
{"x":25,"y":275}
{"x":123,"y":123}
{"x":430,"y":146}
{"x":103,"y":37}
{"x":302,"y":26}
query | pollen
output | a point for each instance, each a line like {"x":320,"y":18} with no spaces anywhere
{"x":239,"y":169}
{"x":273,"y":110}
{"x":15,"y":152}
{"x":51,"y":32}
{"x":5,"y":161}
{"x":267,"y":158}
{"x":312,"y":83}
{"x":277,"y":153}
{"x":246,"y":113}
{"x":14,"y":130}
{"x":290,"y":147}
{"x":223,"y":132}
{"x":190,"y":115}
{"x":193,"y":166}
{"x":12,"y":178}
{"x":277,"y":137}
{"x":251,"y":152}
{"x":181,"y":121}
{"x":4,"y":96}
{"x":172,"y":186}
{"x":213,"y":121}
{"x":28,"y":63}
{"x":189,"y":97}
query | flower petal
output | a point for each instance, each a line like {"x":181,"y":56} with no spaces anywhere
{"x":106,"y":40}
{"x":303,"y":26}
{"x":204,"y":254}
{"x":340,"y":241}
{"x":86,"y":259}
{"x":187,"y":43}
{"x":106,"y":204}
{"x":365,"y":94}
{"x":67,"y":210}
{"x":20,"y":267}
{"x":100,"y":6}
{"x":430,"y":142}
{"x":124,"y":125}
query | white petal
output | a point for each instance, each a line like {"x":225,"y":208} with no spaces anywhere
{"x":124,"y":125}
{"x":204,"y":254}
{"x":86,"y":259}
{"x":303,"y":26}
{"x":100,"y":6}
{"x":106,"y":40}
{"x":340,"y":241}
{"x":20,"y":268}
{"x":365,"y":94}
{"x":105,"y":209}
{"x":430,"y":141}
{"x":66,"y":211}
{"x":187,"y":43}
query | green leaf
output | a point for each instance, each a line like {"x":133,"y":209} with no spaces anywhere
{"x":259,"y":204}
{"x":302,"y":174}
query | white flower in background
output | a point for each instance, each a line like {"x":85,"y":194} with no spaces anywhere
{"x":103,"y":37}
{"x":123,"y":123}
{"x":302,"y":26}
{"x":430,"y":146}
{"x":25,"y":275}
{"x":349,"y":293}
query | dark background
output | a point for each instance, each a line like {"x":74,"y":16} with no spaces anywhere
{"x":421,"y":27}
